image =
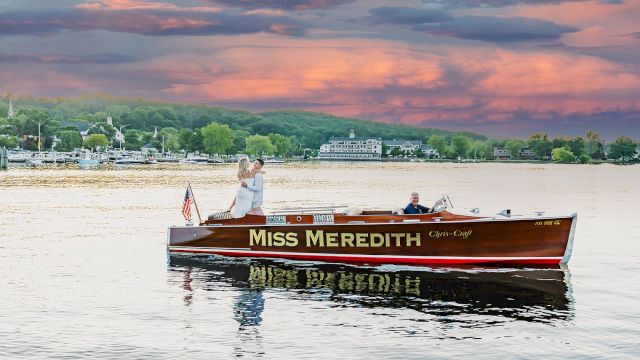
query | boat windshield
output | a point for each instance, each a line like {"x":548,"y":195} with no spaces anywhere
{"x":439,"y":205}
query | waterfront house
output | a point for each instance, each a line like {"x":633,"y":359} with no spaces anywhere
{"x":501,"y":153}
{"x":407,"y":147}
{"x":351,"y":148}
{"x":429,"y":152}
{"x":527,"y":154}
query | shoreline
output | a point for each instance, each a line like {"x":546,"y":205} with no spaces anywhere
{"x":111,"y":165}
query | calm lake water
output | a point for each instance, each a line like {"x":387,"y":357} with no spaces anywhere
{"x":84,"y":269}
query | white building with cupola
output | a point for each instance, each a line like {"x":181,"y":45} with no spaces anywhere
{"x":351,"y":148}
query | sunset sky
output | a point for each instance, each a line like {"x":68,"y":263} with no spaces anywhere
{"x":498,"y":67}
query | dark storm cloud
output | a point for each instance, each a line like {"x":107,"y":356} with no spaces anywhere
{"x":146,"y":22}
{"x":398,"y":15}
{"x":497,"y":3}
{"x":282,"y":4}
{"x":65,"y":59}
{"x":497,"y":29}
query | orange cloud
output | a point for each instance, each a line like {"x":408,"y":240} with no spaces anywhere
{"x":272,"y":73}
{"x":556,"y":74}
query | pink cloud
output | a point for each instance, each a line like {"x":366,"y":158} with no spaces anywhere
{"x":602,"y":23}
{"x":140,"y":5}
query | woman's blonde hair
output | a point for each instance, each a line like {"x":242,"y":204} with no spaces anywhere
{"x":243,"y":167}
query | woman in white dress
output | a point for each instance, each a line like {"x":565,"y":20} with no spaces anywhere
{"x":241,"y":204}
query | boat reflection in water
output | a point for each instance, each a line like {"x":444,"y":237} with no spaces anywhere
{"x":532,"y":295}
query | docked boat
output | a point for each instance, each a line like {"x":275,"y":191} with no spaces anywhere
{"x":87,"y":159}
{"x":88,"y":162}
{"x":167,"y":158}
{"x":195,"y":160}
{"x":273,"y":161}
{"x":376,"y":236}
{"x":129,"y":161}
{"x":18,"y":156}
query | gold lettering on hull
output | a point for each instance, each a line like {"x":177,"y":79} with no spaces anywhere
{"x":321,"y":238}
{"x":547,"y":223}
{"x":265,"y":238}
{"x":437,"y":234}
{"x":325,"y":239}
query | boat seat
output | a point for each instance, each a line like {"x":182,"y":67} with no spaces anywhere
{"x":224,"y":215}
{"x":352,"y":211}
{"x":398,"y":211}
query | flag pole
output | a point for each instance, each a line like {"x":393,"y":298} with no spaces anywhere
{"x":194,"y":201}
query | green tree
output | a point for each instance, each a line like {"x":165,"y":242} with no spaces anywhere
{"x":438,"y":142}
{"x":562,"y":155}
{"x":135,"y":139}
{"x":104,"y":129}
{"x":5,"y":126}
{"x":576,"y":146}
{"x":184,"y":139}
{"x":69,"y":140}
{"x":217,"y":139}
{"x":460,"y":144}
{"x":598,"y":152}
{"x":168,"y":139}
{"x":31,"y":119}
{"x":477,"y":150}
{"x":559,"y":142}
{"x":584,"y":159}
{"x":282,"y":143}
{"x":540,"y":145}
{"x":623,"y":148}
{"x":396,"y":151}
{"x":489,"y":145}
{"x":259,"y":145}
{"x":514,"y":147}
{"x":95,"y":140}
{"x":418,"y":153}
{"x":385,"y":150}
{"x":9,"y":141}
{"x":197,"y":141}
{"x":593,"y":138}
{"x":239,"y":141}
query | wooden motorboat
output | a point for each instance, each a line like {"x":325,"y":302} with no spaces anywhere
{"x":374,"y":236}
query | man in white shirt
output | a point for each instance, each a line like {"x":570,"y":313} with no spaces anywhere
{"x":257,"y":187}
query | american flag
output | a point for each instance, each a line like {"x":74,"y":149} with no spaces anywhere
{"x":186,"y":205}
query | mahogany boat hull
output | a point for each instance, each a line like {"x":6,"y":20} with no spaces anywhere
{"x":417,"y":240}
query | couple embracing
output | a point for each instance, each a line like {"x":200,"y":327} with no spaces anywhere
{"x":248,"y":198}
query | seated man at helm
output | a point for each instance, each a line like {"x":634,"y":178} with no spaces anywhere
{"x":414,"y":207}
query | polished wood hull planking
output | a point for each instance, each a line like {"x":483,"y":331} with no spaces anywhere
{"x":377,"y":237}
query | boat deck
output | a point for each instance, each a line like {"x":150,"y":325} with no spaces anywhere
{"x":366,"y":217}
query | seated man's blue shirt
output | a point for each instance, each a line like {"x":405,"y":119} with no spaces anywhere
{"x":413,"y":210}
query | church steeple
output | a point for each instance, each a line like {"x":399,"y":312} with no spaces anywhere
{"x":10,"y":112}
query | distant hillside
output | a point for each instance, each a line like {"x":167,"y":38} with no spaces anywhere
{"x":309,"y":128}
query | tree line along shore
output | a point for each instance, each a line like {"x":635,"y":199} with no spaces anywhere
{"x":65,"y":124}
